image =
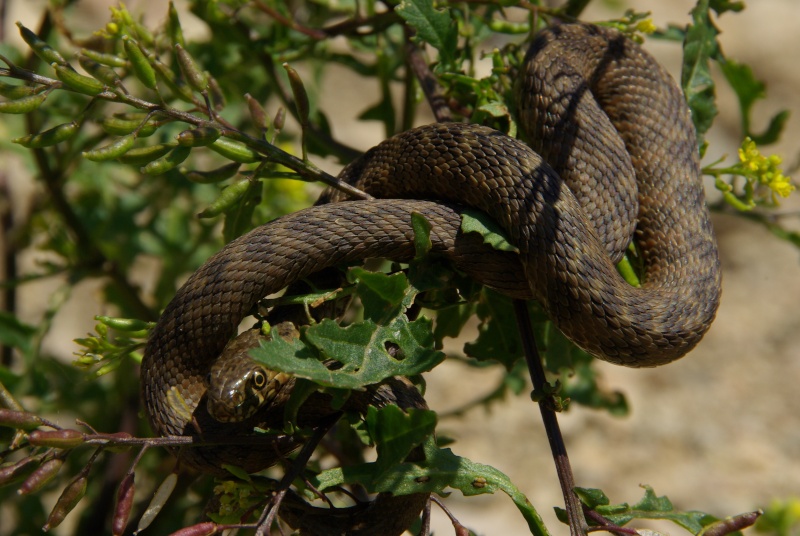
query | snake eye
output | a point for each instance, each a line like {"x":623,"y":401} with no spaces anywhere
{"x":259,"y":379}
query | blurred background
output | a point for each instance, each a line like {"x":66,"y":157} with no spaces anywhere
{"x":718,"y":431}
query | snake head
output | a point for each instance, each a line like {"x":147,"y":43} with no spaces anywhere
{"x":236,"y":396}
{"x":238,"y":386}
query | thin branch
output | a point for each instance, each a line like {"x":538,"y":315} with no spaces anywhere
{"x":427,"y":81}
{"x":306,"y":170}
{"x":457,"y":526}
{"x":577,"y":521}
{"x":313,"y":33}
{"x":271,"y":511}
{"x":376,"y":23}
{"x":8,"y":302}
{"x":604,"y":524}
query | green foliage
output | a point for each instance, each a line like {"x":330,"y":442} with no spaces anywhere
{"x":650,"y":506}
{"x":781,"y":518}
{"x":151,"y":148}
{"x":701,"y":47}
{"x":478,"y":222}
{"x":433,"y":26}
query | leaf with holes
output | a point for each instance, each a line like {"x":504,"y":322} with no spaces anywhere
{"x":385,"y":344}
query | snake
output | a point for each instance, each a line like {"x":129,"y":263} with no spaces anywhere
{"x":611,"y":160}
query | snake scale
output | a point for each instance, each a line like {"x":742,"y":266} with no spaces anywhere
{"x":614,"y":157}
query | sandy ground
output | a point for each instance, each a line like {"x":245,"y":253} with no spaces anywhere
{"x":718,"y":431}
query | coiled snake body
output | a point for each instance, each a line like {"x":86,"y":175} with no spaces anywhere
{"x":621,"y":161}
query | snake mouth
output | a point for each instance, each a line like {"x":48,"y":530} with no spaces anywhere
{"x":230,"y":408}
{"x":222,"y":412}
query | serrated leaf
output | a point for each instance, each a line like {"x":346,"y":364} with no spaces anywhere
{"x":473,"y":221}
{"x":442,"y":470}
{"x":748,"y":89}
{"x":433,"y":26}
{"x":652,"y":506}
{"x":698,"y":86}
{"x":361,"y":348}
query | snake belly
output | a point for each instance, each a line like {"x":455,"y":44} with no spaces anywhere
{"x":618,"y":159}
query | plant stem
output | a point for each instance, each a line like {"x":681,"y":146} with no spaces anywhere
{"x":577,"y":521}
{"x":8,"y":302}
{"x":427,"y":80}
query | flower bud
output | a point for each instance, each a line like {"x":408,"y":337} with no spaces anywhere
{"x":124,"y":504}
{"x":49,"y":137}
{"x":68,"y":500}
{"x":141,"y":65}
{"x":41,"y":476}
{"x":60,"y":439}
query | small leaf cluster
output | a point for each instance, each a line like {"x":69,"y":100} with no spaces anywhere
{"x":109,"y":350}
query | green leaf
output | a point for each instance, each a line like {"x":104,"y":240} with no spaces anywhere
{"x":422,"y":235}
{"x":498,"y":337}
{"x":238,"y":472}
{"x":441,"y":470}
{"x":592,"y":497}
{"x":384,"y":296}
{"x":433,"y":26}
{"x":628,"y":272}
{"x":473,"y":221}
{"x":361,"y":349}
{"x":16,"y":334}
{"x":782,"y":516}
{"x":495,"y":109}
{"x":653,"y":507}
{"x":773,"y":130}
{"x":378,"y":111}
{"x":365,"y":347}
{"x":397,"y":432}
{"x":698,"y":86}
{"x":451,"y":320}
{"x":749,"y":90}
{"x":721,"y":6}
{"x":582,"y":386}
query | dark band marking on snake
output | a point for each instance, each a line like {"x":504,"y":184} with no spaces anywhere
{"x":623,"y":162}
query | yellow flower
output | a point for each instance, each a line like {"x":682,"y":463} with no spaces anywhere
{"x":646,"y":26}
{"x":764,"y":169}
